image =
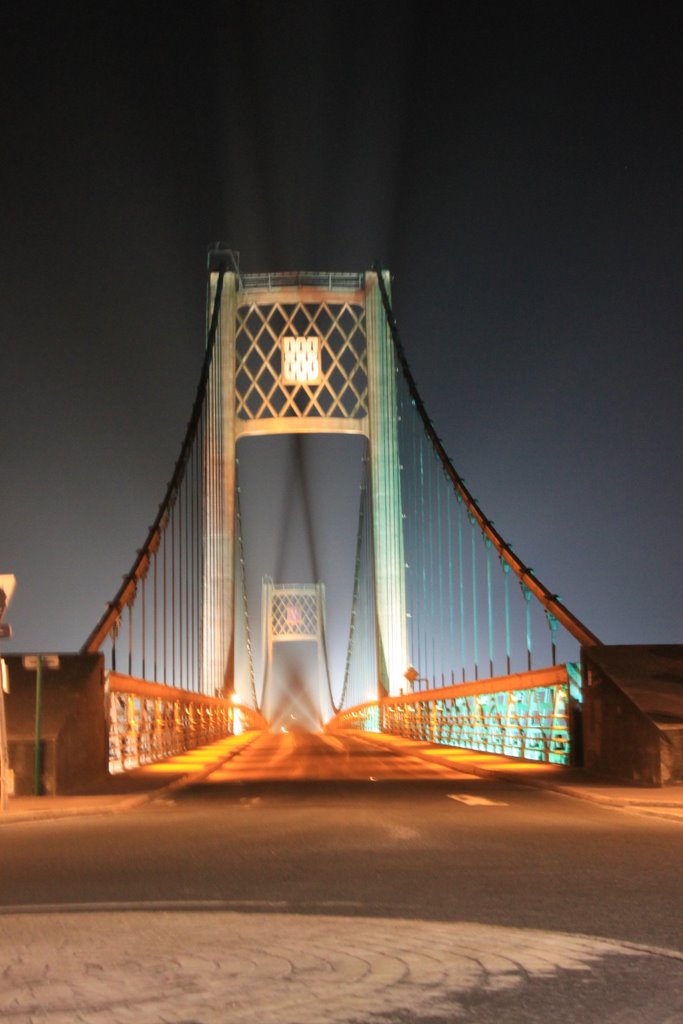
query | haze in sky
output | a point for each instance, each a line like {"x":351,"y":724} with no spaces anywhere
{"x":515,"y":165}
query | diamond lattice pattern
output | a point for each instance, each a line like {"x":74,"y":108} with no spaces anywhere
{"x":342,"y":387}
{"x":294,"y":614}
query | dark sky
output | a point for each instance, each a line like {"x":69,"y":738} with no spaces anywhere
{"x":516,"y":165}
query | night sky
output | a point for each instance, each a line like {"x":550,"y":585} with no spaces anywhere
{"x":517,"y":166}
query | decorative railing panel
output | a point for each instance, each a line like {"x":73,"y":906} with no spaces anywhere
{"x":528,"y":716}
{"x":149,"y":722}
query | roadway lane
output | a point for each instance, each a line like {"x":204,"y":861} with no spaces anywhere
{"x":310,"y":823}
{"x":297,"y":756}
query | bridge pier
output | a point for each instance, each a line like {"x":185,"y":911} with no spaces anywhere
{"x":633,"y":713}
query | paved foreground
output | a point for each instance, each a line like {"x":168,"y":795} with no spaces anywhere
{"x":213,"y":967}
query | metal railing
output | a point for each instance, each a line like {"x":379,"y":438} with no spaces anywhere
{"x":149,"y":722}
{"x":528,"y":716}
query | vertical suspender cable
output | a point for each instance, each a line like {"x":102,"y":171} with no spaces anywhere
{"x":173,"y":664}
{"x":165,"y":599}
{"x":221,"y":520}
{"x":196,"y":593}
{"x":245,"y":600}
{"x":130,"y":638}
{"x":351,"y":649}
{"x":462,"y":588}
{"x":439,"y":559}
{"x":369,"y":633}
{"x":196,"y":554}
{"x":187,"y":484}
{"x":552,"y":625}
{"x":192,"y":681}
{"x":213,"y":618}
{"x":144,"y":629}
{"x":199,"y":560}
{"x":185,"y":593}
{"x":201,"y":552}
{"x":180,"y":586}
{"x":423,"y":531}
{"x":527,"y":601}
{"x":210,"y":575}
{"x":432,"y":617}
{"x":214,"y":623}
{"x":474,"y":599}
{"x":506,"y":580}
{"x":155,"y":603}
{"x":417,"y":572}
{"x":218,"y":540}
{"x":451,"y":598}
{"x":488,"y":546}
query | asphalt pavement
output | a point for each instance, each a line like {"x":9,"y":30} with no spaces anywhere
{"x":123,"y":792}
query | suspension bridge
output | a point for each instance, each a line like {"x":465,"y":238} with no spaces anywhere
{"x":448,"y":635}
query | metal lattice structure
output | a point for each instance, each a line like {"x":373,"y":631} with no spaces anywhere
{"x":296,"y":612}
{"x":293,"y":613}
{"x":149,"y":723}
{"x":298,"y":359}
{"x":525,"y":716}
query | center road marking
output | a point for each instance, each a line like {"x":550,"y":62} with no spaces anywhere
{"x":476,"y":801}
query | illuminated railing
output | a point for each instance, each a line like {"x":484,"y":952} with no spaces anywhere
{"x":528,"y":716}
{"x":149,"y":722}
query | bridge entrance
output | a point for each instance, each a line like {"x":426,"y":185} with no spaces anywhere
{"x":444,"y":632}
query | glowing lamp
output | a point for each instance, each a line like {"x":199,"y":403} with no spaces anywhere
{"x":300,"y":360}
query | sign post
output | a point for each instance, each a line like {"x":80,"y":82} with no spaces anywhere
{"x":37,"y":662}
{"x":37,"y":747}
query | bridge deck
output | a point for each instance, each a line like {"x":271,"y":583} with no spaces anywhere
{"x":259,"y":758}
{"x":309,"y":757}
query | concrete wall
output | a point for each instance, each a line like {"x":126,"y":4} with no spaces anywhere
{"x":633,"y":713}
{"x":619,"y":742}
{"x":672,"y":755}
{"x":74,"y":731}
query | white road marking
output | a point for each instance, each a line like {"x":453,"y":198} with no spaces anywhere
{"x":476,"y":801}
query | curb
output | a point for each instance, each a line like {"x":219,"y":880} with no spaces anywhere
{"x":566,"y":790}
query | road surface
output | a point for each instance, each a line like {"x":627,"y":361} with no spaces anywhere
{"x":465,"y":899}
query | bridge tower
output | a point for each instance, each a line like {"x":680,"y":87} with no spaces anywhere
{"x":307,"y":354}
{"x":293,"y":612}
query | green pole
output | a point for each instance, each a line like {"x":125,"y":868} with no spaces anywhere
{"x":39,"y":711}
